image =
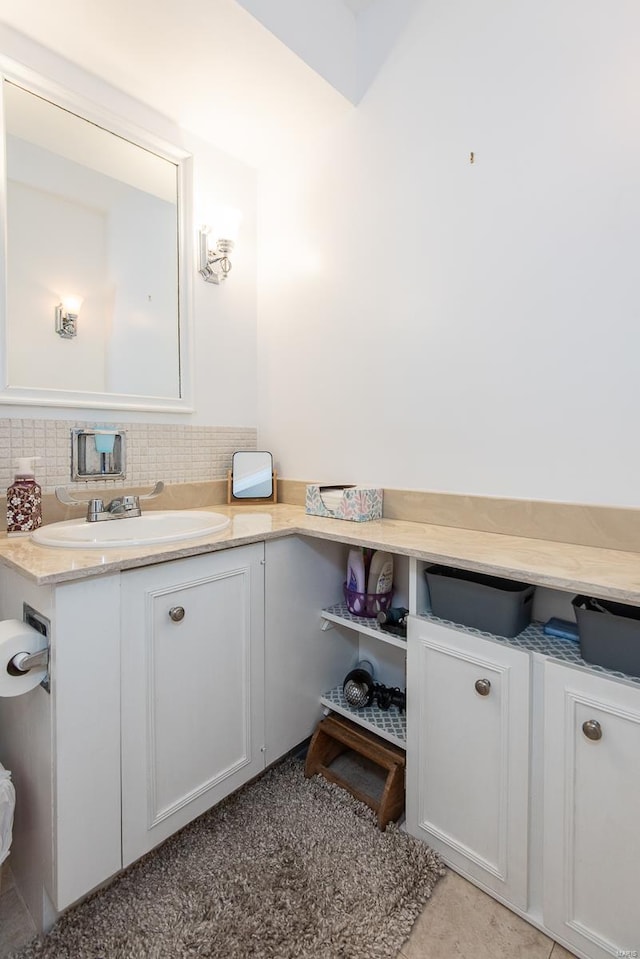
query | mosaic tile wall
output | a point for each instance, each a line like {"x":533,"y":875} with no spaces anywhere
{"x":172,"y":453}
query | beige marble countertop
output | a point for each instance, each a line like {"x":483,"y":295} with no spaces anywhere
{"x":606,"y":573}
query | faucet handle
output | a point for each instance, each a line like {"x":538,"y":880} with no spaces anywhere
{"x":95,"y":508}
{"x":157,"y":489}
{"x":63,"y":496}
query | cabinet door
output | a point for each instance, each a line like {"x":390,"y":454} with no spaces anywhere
{"x":591,"y":789}
{"x":192,"y":689}
{"x":468,"y":754}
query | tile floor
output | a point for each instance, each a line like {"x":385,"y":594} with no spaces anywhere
{"x":459,"y":922}
{"x":16,"y":926}
{"x":462,"y":922}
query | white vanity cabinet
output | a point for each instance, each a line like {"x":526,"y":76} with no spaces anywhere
{"x":166,"y":695}
{"x":468,"y":754}
{"x":192,"y":675}
{"x":591,"y":832}
{"x":175,"y":683}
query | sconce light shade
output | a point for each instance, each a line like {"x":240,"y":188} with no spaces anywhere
{"x":67,"y":316}
{"x":213,"y":265}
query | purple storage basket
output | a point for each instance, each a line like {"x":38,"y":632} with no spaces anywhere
{"x":366,"y":604}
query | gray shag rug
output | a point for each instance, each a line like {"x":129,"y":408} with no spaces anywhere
{"x":287,"y":867}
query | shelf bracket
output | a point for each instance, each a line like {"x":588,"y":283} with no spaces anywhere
{"x":327,"y":624}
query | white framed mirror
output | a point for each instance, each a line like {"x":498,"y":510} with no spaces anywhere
{"x":96,"y":310}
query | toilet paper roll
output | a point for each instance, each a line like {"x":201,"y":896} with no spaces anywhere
{"x":7,"y":809}
{"x":18,"y":637}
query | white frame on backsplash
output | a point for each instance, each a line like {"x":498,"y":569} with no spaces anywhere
{"x":13,"y":395}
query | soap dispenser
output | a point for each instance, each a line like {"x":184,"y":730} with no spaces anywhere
{"x":24,"y":500}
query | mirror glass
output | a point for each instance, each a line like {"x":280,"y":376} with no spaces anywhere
{"x":252,"y":473}
{"x":92,"y":219}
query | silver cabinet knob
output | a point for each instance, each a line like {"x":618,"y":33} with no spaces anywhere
{"x":176,"y":613}
{"x":483,"y":687}
{"x":592,"y":730}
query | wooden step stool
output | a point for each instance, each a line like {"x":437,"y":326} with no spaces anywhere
{"x":334,"y":736}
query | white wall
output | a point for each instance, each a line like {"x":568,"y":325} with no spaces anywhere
{"x":430,"y":323}
{"x":224,"y":342}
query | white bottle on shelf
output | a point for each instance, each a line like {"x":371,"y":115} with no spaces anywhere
{"x":380,"y":573}
{"x":355,"y":570}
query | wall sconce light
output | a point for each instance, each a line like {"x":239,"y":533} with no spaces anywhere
{"x":214,"y":263}
{"x":67,"y":316}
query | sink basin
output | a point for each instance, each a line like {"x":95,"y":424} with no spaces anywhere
{"x":156,"y":526}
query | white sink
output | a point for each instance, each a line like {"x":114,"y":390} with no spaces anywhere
{"x":156,"y":526}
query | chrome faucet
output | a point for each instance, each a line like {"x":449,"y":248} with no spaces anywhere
{"x":120,"y":507}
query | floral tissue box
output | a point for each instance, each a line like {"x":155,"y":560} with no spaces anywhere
{"x":355,"y":503}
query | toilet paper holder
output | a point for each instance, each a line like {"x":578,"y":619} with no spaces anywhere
{"x":23,"y":662}
{"x":41,"y":658}
{"x":24,"y":653}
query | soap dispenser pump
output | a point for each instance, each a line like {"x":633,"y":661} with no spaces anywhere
{"x":24,"y":499}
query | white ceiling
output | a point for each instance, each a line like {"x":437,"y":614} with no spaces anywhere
{"x":206,"y":64}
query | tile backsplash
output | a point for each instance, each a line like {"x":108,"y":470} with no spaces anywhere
{"x":168,"y":452}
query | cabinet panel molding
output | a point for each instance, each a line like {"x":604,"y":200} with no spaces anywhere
{"x":467,"y":768}
{"x":191,"y":672}
{"x":486,"y":830}
{"x":591,"y":842}
{"x":192,"y":690}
